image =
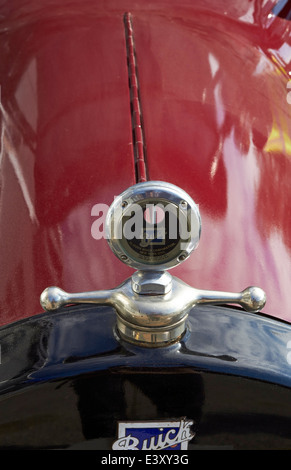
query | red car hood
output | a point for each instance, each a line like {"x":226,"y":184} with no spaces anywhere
{"x":213,"y":91}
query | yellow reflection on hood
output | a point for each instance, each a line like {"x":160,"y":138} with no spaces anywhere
{"x":279,"y":140}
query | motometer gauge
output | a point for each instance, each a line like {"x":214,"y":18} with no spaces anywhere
{"x":153,"y":225}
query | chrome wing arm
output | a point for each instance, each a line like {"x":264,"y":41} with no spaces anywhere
{"x":54,"y":298}
{"x":252,"y":298}
{"x":152,"y":308}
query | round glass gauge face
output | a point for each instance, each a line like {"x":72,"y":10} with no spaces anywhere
{"x":153,"y":224}
{"x":151,"y":232}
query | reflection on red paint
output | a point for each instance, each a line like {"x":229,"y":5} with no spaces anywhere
{"x":212,"y":83}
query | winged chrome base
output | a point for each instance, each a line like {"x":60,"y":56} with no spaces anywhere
{"x":151,"y":306}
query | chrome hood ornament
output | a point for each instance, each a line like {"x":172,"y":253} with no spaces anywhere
{"x":153,"y":227}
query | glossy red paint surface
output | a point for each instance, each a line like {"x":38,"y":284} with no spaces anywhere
{"x":213,"y":86}
{"x":218,"y":124}
{"x":66,"y":146}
